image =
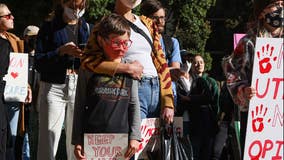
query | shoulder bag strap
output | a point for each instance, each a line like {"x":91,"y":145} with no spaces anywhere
{"x":140,"y":31}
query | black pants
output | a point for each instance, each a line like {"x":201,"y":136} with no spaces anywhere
{"x":202,"y":136}
{"x":243,"y":130}
{"x":3,"y":130}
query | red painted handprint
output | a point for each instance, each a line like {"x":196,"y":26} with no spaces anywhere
{"x":266,"y":54}
{"x":257,"y":118}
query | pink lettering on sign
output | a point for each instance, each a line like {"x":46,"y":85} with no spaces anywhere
{"x":259,"y":149}
{"x":278,"y":117}
{"x":107,"y":151}
{"x":16,"y":62}
{"x":100,"y":139}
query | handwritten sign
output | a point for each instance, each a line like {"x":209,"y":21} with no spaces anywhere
{"x":105,"y":146}
{"x":150,"y":133}
{"x":237,"y":37}
{"x":17,"y":78}
{"x":264,"y":139}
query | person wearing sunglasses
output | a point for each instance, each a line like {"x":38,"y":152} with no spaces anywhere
{"x":13,"y":108}
{"x":267,"y":21}
{"x":58,"y":50}
{"x":99,"y":110}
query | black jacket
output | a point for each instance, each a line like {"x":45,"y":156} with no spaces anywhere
{"x":51,"y":36}
{"x":5,"y":133}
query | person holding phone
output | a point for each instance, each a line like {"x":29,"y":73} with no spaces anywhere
{"x":58,"y":60}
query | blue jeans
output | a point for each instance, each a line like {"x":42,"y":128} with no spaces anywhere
{"x":13,"y":109}
{"x":174,"y":92}
{"x":149,"y":95}
{"x":26,"y":148}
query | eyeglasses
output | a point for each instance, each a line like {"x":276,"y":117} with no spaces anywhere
{"x":118,"y":43}
{"x":7,"y":16}
{"x":159,"y":18}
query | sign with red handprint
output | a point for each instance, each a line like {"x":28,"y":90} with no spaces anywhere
{"x":17,"y":78}
{"x":264,"y":138}
{"x":150,"y":134}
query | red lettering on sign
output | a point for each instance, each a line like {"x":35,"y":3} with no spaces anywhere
{"x":267,"y":86}
{"x":258,"y":150}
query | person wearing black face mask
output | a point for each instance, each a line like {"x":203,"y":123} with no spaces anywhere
{"x":267,"y":22}
{"x":275,"y":18}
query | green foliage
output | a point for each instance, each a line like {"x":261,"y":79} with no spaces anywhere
{"x":99,"y":8}
{"x":191,"y":26}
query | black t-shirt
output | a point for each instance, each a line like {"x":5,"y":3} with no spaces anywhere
{"x":108,"y":104}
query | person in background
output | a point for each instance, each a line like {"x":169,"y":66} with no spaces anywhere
{"x":58,"y":51}
{"x":267,"y":21}
{"x":31,"y":118}
{"x":184,"y":86}
{"x":225,"y":139}
{"x":13,"y":108}
{"x":202,"y":103}
{"x":98,"y":112}
{"x":155,"y":10}
{"x":146,"y":56}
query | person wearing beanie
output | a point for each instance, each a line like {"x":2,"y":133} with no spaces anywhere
{"x":267,"y":22}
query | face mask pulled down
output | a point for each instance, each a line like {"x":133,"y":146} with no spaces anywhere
{"x":73,"y":14}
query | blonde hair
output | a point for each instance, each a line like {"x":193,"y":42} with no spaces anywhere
{"x":2,"y":5}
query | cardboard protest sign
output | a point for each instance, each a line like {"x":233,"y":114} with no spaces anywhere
{"x":264,"y":138}
{"x":150,"y":133}
{"x":237,"y":37}
{"x":17,"y":78}
{"x":105,"y":146}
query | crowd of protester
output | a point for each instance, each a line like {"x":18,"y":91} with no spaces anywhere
{"x":72,"y":61}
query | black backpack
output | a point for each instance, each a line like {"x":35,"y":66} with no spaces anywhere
{"x":168,"y":44}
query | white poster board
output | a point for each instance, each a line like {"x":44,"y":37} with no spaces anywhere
{"x":150,"y":133}
{"x":264,"y":138}
{"x":105,"y":146}
{"x":16,"y":88}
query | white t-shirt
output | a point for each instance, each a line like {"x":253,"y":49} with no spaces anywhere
{"x":140,"y":49}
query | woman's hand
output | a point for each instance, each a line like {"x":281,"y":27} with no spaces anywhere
{"x":249,"y":92}
{"x":132,"y":149}
{"x":136,"y":70}
{"x":70,"y":49}
{"x":79,"y":152}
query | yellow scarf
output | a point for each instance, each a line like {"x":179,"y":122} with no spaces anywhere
{"x":92,"y":60}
